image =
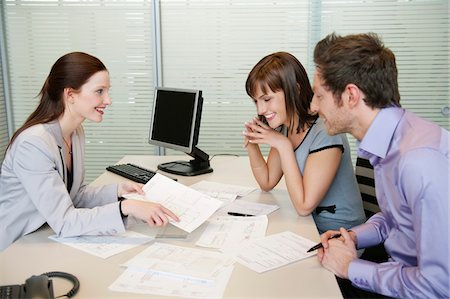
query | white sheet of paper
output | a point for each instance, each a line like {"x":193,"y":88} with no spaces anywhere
{"x":248,"y":207}
{"x":208,"y":186}
{"x":272,"y":251}
{"x":189,"y":262}
{"x":223,"y":231}
{"x":225,"y":198}
{"x":105,"y":246}
{"x":191,"y":206}
{"x":166,"y":284}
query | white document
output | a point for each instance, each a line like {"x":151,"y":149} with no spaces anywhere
{"x":166,"y":284}
{"x":223,"y":231}
{"x":214,"y":187}
{"x":271,"y":252}
{"x":247,"y":207}
{"x":170,"y":270}
{"x":188,"y":262}
{"x":105,"y":246}
{"x":225,"y":198}
{"x":192,"y":207}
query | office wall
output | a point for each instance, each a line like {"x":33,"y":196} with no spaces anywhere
{"x":210,"y":45}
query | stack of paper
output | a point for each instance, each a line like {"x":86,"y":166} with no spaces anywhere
{"x":170,"y":270}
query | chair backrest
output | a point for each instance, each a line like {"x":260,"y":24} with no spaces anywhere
{"x":366,"y":182}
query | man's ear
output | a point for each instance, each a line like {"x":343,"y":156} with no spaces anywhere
{"x":354,"y":95}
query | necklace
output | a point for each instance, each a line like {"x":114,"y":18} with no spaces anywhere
{"x":68,"y":147}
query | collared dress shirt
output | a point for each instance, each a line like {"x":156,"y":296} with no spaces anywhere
{"x":411,"y":162}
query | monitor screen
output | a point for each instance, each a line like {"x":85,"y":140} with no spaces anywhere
{"x":174,"y":117}
{"x":175,"y":124}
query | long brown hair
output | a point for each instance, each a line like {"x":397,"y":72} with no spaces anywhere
{"x":282,"y":71}
{"x":71,"y":70}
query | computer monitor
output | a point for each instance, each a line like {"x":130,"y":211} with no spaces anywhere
{"x":175,"y":124}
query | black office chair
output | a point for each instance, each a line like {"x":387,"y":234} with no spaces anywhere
{"x":366,"y":183}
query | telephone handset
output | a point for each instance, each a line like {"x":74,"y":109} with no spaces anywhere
{"x":39,"y":286}
{"x":263,"y":119}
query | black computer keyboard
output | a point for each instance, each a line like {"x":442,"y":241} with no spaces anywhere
{"x":132,"y":172}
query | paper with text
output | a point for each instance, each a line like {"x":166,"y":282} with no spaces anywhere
{"x":189,"y":262}
{"x":224,"y":192}
{"x":191,"y":206}
{"x":223,"y":231}
{"x":105,"y":246}
{"x":248,"y":207}
{"x":272,"y":251}
{"x":167,"y":284}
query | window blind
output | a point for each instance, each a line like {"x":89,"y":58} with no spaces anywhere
{"x":118,"y":33}
{"x":220,"y":41}
{"x":212,"y":46}
{"x":4,"y":138}
{"x":4,"y":135}
{"x":417,"y":32}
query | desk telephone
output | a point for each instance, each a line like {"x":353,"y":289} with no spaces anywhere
{"x":38,"y":286}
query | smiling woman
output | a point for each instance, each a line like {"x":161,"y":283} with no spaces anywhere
{"x":317,"y":167}
{"x":42,"y":176}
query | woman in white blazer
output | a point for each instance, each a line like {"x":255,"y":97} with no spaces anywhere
{"x":41,"y":179}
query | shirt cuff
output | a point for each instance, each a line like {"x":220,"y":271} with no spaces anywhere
{"x":365,"y":235}
{"x":360,"y":273}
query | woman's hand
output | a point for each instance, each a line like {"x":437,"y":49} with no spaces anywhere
{"x":257,"y":132}
{"x":248,"y":129}
{"x":153,"y":213}
{"x":129,"y":187}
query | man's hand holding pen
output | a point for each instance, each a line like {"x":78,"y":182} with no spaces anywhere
{"x":337,"y":253}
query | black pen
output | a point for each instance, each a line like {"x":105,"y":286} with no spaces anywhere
{"x":239,"y":214}
{"x":319,"y":245}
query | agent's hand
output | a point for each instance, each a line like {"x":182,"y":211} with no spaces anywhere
{"x":258,"y":132}
{"x":129,"y":187}
{"x":153,"y":213}
{"x":337,"y":254}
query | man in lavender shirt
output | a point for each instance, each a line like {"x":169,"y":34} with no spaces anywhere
{"x":356,"y":91}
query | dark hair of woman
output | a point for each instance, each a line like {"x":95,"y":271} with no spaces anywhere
{"x":71,"y":70}
{"x":282,"y":71}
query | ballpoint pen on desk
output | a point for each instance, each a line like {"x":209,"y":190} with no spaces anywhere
{"x":319,"y":245}
{"x":239,"y":214}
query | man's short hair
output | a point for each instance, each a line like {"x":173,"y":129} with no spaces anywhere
{"x":360,"y":59}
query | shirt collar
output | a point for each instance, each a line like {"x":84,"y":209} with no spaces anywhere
{"x":378,"y":137}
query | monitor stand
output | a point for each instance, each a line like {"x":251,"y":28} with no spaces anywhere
{"x":196,"y":166}
{"x":186,"y":168}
